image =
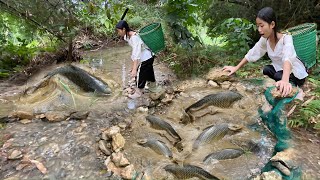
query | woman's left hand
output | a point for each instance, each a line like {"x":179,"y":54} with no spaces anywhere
{"x":284,"y":87}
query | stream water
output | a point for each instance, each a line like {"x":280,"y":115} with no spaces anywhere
{"x":69,"y":149}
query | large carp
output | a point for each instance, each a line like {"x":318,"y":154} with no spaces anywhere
{"x":83,"y":79}
{"x":224,"y":154}
{"x":157,"y":146}
{"x":189,"y":171}
{"x":222,"y":99}
{"x":215,"y":133}
{"x":160,"y":124}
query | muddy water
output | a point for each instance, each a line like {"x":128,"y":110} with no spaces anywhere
{"x":69,"y":149}
{"x":241,"y":113}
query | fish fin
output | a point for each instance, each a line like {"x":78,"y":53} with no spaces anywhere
{"x":185,"y":118}
{"x":207,"y":128}
{"x":192,"y":117}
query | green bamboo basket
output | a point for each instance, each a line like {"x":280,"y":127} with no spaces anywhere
{"x":304,"y":41}
{"x":152,"y":36}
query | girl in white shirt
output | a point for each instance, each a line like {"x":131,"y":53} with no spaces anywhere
{"x":286,"y":67}
{"x":142,"y":58}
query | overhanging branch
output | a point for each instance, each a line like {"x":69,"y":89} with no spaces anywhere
{"x":15,"y":12}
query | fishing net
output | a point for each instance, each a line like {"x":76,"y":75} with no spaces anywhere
{"x":276,"y":122}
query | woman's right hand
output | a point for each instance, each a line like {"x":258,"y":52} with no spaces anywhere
{"x":231,"y":69}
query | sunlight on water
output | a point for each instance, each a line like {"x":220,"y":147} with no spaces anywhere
{"x":123,"y":75}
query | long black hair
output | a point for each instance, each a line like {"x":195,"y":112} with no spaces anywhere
{"x":267,"y":14}
{"x":123,"y":24}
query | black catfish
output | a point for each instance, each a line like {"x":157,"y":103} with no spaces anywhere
{"x":83,"y":79}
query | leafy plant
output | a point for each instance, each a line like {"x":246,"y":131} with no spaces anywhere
{"x":236,"y":32}
{"x":309,"y":116}
{"x":182,"y":15}
{"x":100,"y":16}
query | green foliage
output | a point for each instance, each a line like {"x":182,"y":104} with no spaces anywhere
{"x":197,"y":62}
{"x":19,"y":43}
{"x":181,"y":15}
{"x":100,"y":16}
{"x":309,"y":115}
{"x":141,"y":14}
{"x":236,"y":32}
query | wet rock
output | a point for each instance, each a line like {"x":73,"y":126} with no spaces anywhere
{"x":142,"y":109}
{"x":277,"y":94}
{"x":128,"y":122}
{"x":79,"y":129}
{"x":119,"y":160}
{"x":25,"y":121}
{"x":184,"y":95}
{"x":122,"y":125}
{"x":80,"y":151}
{"x":113,"y":130}
{"x":103,"y":147}
{"x":225,"y":85}
{"x":22,"y":115}
{"x":117,"y":142}
{"x":40,"y":166}
{"x":113,"y":168}
{"x":8,"y":143}
{"x":21,"y":166}
{"x":284,"y":160}
{"x":129,"y":90}
{"x":107,"y":161}
{"x":170,"y":90}
{"x":119,"y":113}
{"x":56,"y":116}
{"x":282,"y":168}
{"x":213,"y":84}
{"x":15,"y":154}
{"x":158,"y":95}
{"x":128,"y":172}
{"x":271,"y":175}
{"x":285,"y":156}
{"x":105,"y":136}
{"x":62,"y":173}
{"x":79,"y":115}
{"x":217,"y":74}
{"x":53,"y":148}
{"x":255,"y":171}
{"x":240,"y":87}
{"x":167,"y":98}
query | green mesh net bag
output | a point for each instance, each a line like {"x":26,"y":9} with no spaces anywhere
{"x":276,"y":122}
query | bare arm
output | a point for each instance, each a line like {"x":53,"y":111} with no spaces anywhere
{"x":134,"y":68}
{"x":233,"y":69}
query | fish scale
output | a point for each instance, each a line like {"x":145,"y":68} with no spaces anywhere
{"x":160,"y":124}
{"x":221,"y":99}
{"x":224,"y":154}
{"x":158,"y":146}
{"x":189,"y":171}
{"x":211,"y":133}
{"x":83,"y":79}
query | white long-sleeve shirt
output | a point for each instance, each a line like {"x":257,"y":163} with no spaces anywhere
{"x":139,"y":49}
{"x":283,"y":51}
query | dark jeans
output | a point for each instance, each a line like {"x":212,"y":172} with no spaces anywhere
{"x":277,"y":76}
{"x":145,"y":73}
